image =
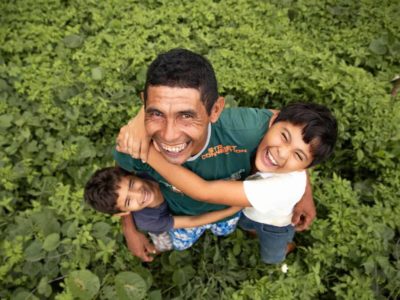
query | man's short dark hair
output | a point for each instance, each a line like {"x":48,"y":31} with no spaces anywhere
{"x":101,"y":189}
{"x":319,"y":127}
{"x":185,"y":69}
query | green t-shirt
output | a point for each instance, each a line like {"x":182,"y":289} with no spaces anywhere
{"x":228,"y":155}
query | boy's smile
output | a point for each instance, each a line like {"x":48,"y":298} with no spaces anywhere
{"x":135,"y":193}
{"x":283,"y":150}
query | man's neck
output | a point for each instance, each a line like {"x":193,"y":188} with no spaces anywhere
{"x":207,"y":141}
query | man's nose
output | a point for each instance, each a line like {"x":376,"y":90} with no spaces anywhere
{"x":170,"y":132}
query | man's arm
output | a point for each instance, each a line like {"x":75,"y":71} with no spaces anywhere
{"x":136,"y":241}
{"x":304,"y":211}
{"x":203,"y":219}
{"x":133,"y":139}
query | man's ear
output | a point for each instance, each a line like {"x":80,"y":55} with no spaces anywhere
{"x":122,"y":214}
{"x":142,"y":97}
{"x":217,"y":109}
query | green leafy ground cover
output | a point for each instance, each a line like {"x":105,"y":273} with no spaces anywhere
{"x":70,"y":75}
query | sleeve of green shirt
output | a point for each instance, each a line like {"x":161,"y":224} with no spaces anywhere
{"x":128,"y":163}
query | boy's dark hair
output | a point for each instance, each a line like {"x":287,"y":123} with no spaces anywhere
{"x":320,"y":127}
{"x":185,"y":69}
{"x":101,"y":189}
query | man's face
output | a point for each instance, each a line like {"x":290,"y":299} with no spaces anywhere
{"x":177,"y":121}
{"x":135,"y":193}
{"x":283,"y":150}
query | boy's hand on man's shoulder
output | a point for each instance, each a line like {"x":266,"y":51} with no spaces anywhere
{"x":133,"y":139}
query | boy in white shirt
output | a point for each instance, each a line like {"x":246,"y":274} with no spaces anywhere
{"x":301,"y":136}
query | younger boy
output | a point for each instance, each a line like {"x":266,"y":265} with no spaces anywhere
{"x":301,"y":136}
{"x":115,"y":191}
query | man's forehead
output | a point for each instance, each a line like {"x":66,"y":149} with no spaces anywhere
{"x":157,"y":95}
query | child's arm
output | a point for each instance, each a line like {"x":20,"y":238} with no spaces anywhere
{"x":219,"y":191}
{"x":207,"y":218}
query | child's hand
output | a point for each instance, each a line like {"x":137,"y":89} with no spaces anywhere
{"x":133,"y":139}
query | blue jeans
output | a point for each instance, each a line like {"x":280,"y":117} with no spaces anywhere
{"x":273,"y":239}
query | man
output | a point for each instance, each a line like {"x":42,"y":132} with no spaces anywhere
{"x":183,"y":116}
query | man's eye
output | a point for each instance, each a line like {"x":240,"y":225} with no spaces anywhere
{"x":187,"y":116}
{"x":155,"y":114}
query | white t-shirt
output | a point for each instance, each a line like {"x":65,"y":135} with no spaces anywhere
{"x":273,"y":196}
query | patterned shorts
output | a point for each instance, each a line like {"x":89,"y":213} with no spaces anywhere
{"x":161,"y":241}
{"x":184,"y":238}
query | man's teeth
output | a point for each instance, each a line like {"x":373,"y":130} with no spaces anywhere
{"x":272,"y":159}
{"x":176,"y":148}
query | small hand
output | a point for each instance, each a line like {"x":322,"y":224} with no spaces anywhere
{"x":133,"y":139}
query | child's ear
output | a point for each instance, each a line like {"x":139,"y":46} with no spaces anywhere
{"x":274,"y":116}
{"x":122,"y":214}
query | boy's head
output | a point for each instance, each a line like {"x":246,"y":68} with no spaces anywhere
{"x":301,"y":136}
{"x":115,"y":191}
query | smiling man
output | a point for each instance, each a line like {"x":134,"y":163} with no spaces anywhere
{"x":185,"y":119}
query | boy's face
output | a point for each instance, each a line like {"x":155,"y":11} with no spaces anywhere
{"x":135,"y":193}
{"x":283,"y":150}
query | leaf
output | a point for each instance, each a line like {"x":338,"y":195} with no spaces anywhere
{"x":155,"y":295}
{"x":130,"y":285}
{"x":24,"y":295}
{"x":44,"y":288}
{"x":73,"y":41}
{"x":4,"y":86}
{"x":51,"y":242}
{"x":97,"y":73}
{"x":72,"y":229}
{"x":378,"y":46}
{"x":5,"y":121}
{"x":230,"y":101}
{"x":32,"y":269}
{"x":100,"y":229}
{"x":34,"y":251}
{"x":46,"y":221}
{"x":83,"y":284}
{"x":183,"y":275}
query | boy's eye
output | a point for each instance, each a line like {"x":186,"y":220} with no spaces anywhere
{"x":127,"y":202}
{"x":299,"y":156}
{"x":284,"y":137}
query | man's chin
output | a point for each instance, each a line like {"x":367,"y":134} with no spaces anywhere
{"x":176,"y":159}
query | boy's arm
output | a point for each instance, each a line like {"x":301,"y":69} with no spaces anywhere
{"x":133,"y":139}
{"x":203,"y":219}
{"x":136,"y":241}
{"x":219,"y":191}
{"x":304,"y":211}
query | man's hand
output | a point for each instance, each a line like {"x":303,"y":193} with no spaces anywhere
{"x":303,"y":215}
{"x":133,"y":139}
{"x":137,"y":242}
{"x":304,"y":211}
